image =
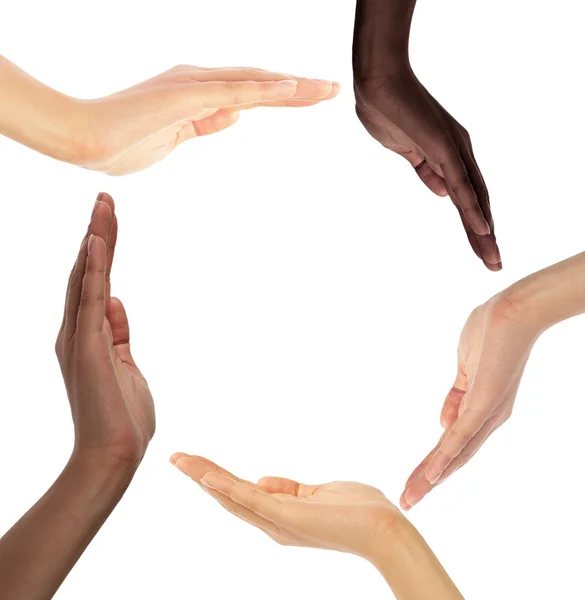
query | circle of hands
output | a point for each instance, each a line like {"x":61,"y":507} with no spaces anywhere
{"x":114,"y":417}
{"x":111,"y":404}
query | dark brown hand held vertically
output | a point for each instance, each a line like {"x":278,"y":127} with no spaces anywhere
{"x":397,"y":110}
{"x":113,"y":415}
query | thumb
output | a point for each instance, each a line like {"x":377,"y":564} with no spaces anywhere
{"x":120,"y":330}
{"x":280,"y":485}
{"x":222,"y":119}
{"x":450,"y":410}
{"x":432,"y":180}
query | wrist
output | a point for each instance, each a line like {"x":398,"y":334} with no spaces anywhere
{"x":64,"y":133}
{"x":103,"y":466}
{"x":391,"y":536}
{"x":39,"y":117}
{"x":50,"y":123}
{"x":410,"y":567}
{"x":547,"y":297}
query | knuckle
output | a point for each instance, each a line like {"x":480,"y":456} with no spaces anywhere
{"x":462,"y":181}
{"x":462,"y":436}
{"x":279,"y":540}
{"x":465,"y":134}
{"x":179,"y":68}
{"x":88,"y":298}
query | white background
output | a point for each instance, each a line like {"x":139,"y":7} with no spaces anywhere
{"x":296,"y":294}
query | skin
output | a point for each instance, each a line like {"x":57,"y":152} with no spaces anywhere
{"x":113,"y":415}
{"x":343,"y":516}
{"x":400,"y":113}
{"x":132,"y":129}
{"x":494,"y":348}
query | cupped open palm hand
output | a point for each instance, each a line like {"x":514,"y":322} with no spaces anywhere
{"x":343,"y":516}
{"x":494,"y":348}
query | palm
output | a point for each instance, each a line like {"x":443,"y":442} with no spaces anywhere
{"x":342,"y":515}
{"x":492,"y":355}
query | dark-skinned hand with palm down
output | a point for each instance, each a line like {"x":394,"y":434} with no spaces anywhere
{"x":400,"y":113}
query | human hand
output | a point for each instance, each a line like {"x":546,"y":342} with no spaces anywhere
{"x":111,"y":405}
{"x":343,"y":516}
{"x":399,"y":112}
{"x":494,"y":348}
{"x":133,"y":129}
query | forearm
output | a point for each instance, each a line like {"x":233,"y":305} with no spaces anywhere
{"x":37,"y":116}
{"x":549,"y":296}
{"x":411,"y":569}
{"x":381,"y":35}
{"x":37,"y":554}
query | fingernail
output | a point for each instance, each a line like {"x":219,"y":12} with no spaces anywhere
{"x":486,"y":229}
{"x":90,"y":243}
{"x":412,"y":500}
{"x":181,"y":464}
{"x":493,"y":266}
{"x":432,"y":477}
{"x":175,"y":457}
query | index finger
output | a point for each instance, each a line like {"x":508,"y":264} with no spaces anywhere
{"x":99,"y":225}
{"x":263,"y":504}
{"x":470,"y":421}
{"x":214,"y":95}
{"x":197,"y":466}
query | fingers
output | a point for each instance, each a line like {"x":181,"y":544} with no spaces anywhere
{"x":419,"y":486}
{"x":423,"y":465}
{"x":490,"y":253}
{"x":307,"y":89}
{"x":100,"y":225}
{"x":92,"y":302}
{"x":214,"y":95}
{"x":224,"y":118}
{"x":263,"y":504}
{"x":207,"y":465}
{"x":111,"y":247}
{"x":196,"y":468}
{"x":461,"y":190}
{"x":190,"y":466}
{"x":468,"y":424}
{"x":243,"y":513}
{"x":301,"y":99}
